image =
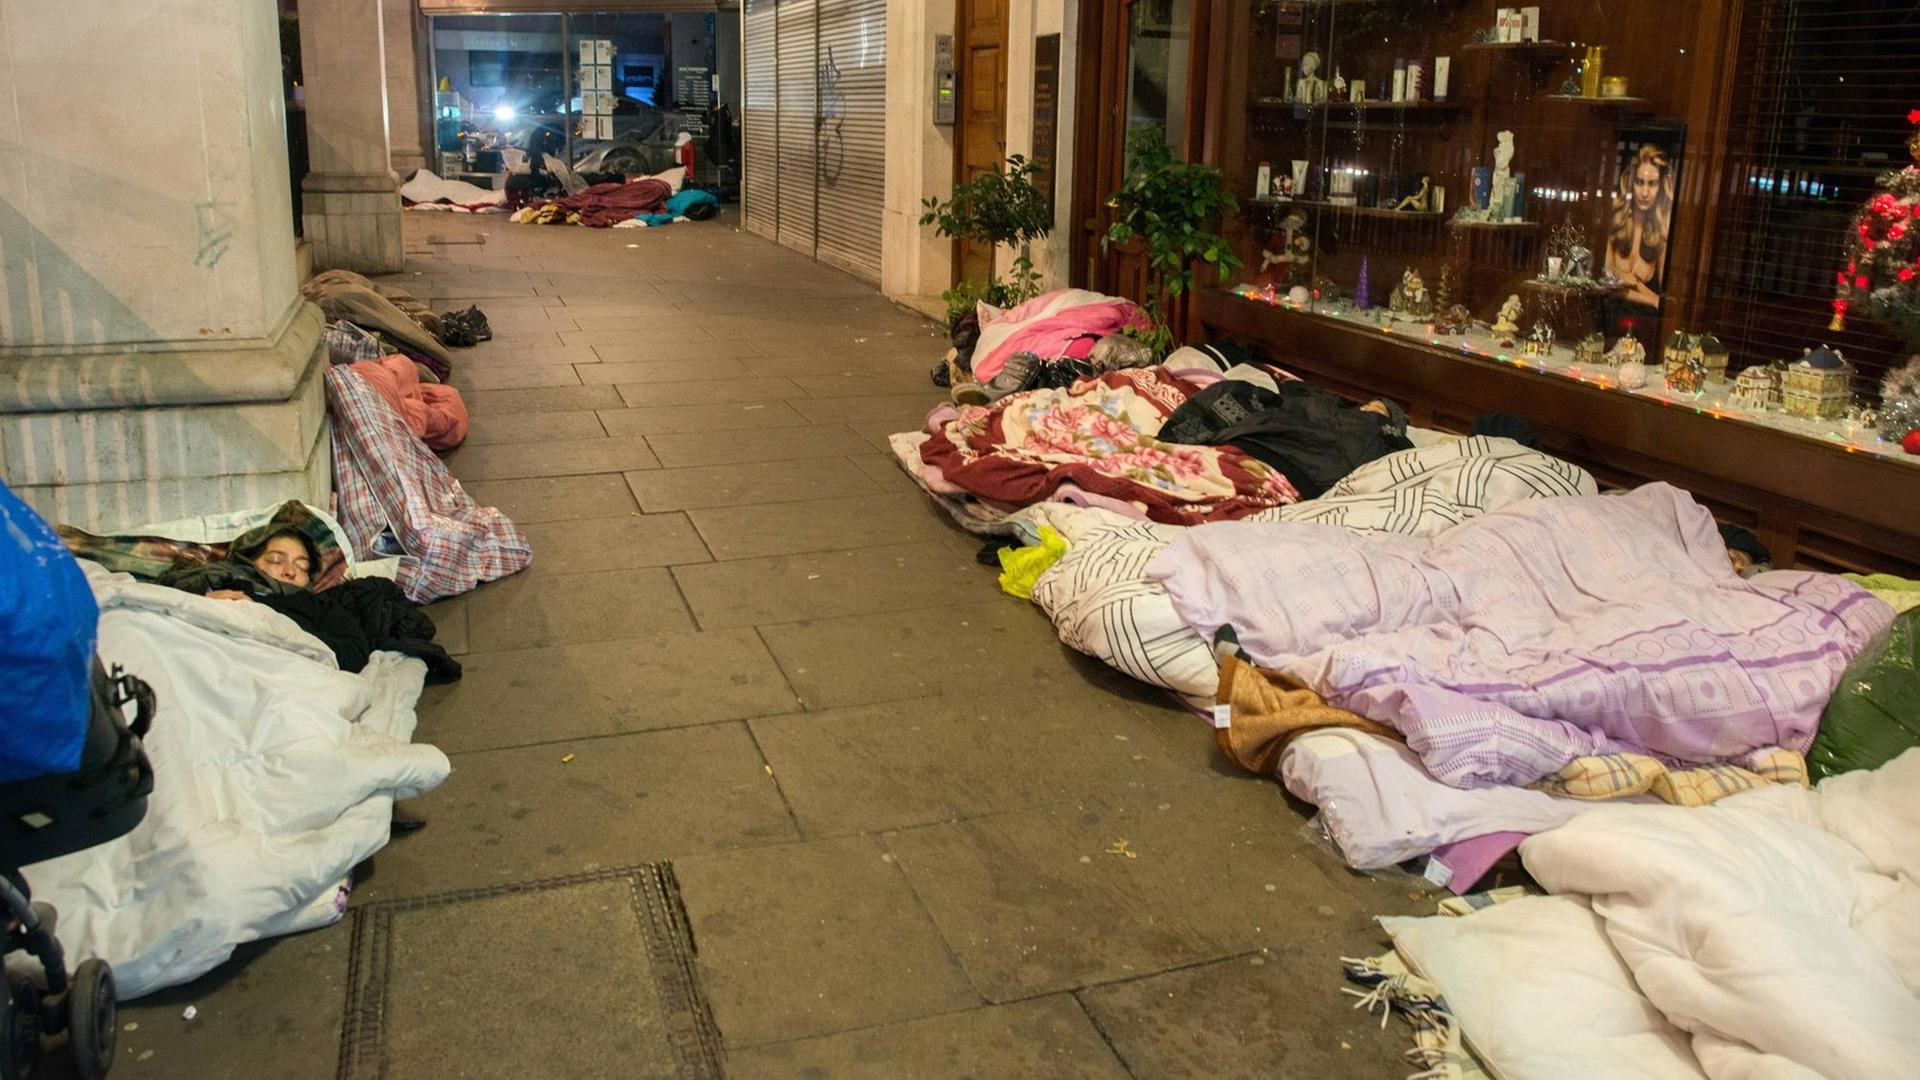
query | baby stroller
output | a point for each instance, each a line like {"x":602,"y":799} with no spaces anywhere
{"x":53,"y":815}
{"x":73,"y":775}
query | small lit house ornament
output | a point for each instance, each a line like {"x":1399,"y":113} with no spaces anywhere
{"x":1712,"y":356}
{"x":1690,"y":376}
{"x":1591,"y":350}
{"x":1627,"y":350}
{"x":1673,"y":358}
{"x":1540,"y":339}
{"x":1817,"y":385}
{"x":1753,"y":389}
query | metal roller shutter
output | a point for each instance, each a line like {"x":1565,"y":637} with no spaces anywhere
{"x":798,"y":192}
{"x":851,"y":147}
{"x":760,"y":119}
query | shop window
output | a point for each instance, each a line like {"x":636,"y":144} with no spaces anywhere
{"x":1569,"y":187}
{"x":1161,"y":41}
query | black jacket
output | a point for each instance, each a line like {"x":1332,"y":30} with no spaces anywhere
{"x":1313,"y":436}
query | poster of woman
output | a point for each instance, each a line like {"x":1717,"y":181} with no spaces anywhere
{"x":1640,"y":229}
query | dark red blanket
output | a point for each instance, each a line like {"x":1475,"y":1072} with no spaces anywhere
{"x":604,"y":204}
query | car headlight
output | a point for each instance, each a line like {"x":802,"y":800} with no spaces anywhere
{"x":505,"y":113}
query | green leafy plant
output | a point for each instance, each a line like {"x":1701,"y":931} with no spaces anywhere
{"x":1002,"y":207}
{"x":1172,"y":208}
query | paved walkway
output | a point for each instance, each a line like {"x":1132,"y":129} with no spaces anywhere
{"x":889,"y":793}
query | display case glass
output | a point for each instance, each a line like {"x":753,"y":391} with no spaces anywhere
{"x":1615,"y":193}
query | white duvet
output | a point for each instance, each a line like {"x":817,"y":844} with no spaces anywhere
{"x":1775,"y":934}
{"x":274,"y":774}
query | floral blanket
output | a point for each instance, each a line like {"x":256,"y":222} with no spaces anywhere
{"x":1098,"y":437}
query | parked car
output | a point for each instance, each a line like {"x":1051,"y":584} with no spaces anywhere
{"x":642,"y":142}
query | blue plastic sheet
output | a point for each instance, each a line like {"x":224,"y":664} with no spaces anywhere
{"x":47,"y":625}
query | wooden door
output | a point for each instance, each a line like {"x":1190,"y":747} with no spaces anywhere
{"x":1112,"y":79}
{"x":983,"y":113}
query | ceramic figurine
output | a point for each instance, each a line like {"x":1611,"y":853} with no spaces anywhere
{"x":1633,"y":374}
{"x":1500,"y":199}
{"x":1312,"y":89}
{"x":1753,"y":389}
{"x":1418,"y":201}
{"x":1540,"y":339}
{"x":1591,"y":350}
{"x":1817,"y":386}
{"x":1339,"y":91}
{"x":1454,"y":320}
{"x":1410,"y":296}
{"x":1579,"y":264}
{"x":1509,"y":320}
{"x":1712,"y":356}
{"x":1628,"y":350}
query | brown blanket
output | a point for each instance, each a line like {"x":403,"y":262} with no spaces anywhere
{"x":1267,"y":710}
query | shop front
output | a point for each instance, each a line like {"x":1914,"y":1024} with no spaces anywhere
{"x":606,"y":91}
{"x":1664,"y":234}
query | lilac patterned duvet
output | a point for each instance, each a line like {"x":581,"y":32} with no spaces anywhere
{"x":1505,"y":647}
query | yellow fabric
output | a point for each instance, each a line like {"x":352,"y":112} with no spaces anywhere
{"x":1617,"y":776}
{"x":1021,"y":567}
{"x":1900,"y":594}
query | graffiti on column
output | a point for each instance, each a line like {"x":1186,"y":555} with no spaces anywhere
{"x":214,"y":225}
{"x":828,"y":124}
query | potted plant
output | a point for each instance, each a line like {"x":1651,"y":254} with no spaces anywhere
{"x":1002,"y":207}
{"x":1171,"y":208}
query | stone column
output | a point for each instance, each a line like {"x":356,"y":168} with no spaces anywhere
{"x":350,"y":202}
{"x":406,"y":107}
{"x":156,"y":360}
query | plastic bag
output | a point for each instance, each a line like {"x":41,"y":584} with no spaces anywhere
{"x":47,"y":624}
{"x":1021,"y":567}
{"x":1874,"y":715}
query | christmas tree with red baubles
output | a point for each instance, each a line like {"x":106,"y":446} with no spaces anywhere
{"x":1882,"y":278}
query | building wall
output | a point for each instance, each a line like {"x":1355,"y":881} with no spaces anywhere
{"x":918,"y":265}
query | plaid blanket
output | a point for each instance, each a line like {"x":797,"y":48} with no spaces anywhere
{"x":387,"y":482}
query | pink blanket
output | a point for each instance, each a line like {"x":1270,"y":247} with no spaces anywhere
{"x":1060,"y":323}
{"x":1506,"y":646}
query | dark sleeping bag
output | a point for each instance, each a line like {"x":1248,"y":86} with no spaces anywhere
{"x":1313,"y":436}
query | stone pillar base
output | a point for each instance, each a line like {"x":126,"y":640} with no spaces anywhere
{"x":105,"y":442}
{"x":408,"y":160}
{"x":353,"y":222}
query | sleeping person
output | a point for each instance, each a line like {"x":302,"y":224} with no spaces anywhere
{"x":274,"y":564}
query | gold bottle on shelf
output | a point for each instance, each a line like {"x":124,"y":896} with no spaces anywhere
{"x":1590,"y":70}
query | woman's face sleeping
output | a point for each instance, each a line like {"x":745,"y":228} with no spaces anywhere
{"x":284,"y":559}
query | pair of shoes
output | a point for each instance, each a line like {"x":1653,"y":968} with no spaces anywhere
{"x":1015,"y":376}
{"x":462,"y":329}
{"x":969,"y":393}
{"x":941,"y":375}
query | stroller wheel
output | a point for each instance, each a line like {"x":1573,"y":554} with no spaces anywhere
{"x":20,"y":1033}
{"x":92,"y":1014}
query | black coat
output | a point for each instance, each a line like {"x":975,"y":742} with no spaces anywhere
{"x":1313,"y":436}
{"x":355,"y":618}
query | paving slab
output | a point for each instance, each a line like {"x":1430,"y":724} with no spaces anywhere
{"x":566,"y":458}
{"x":525,"y":611}
{"x":272,"y":1010}
{"x":916,"y":762}
{"x":512,"y":377}
{"x":697,"y":392}
{"x":678,"y":679}
{"x":738,"y":485}
{"x":823,"y":585}
{"x":528,"y":813}
{"x":613,"y":543}
{"x":687,"y":449}
{"x":861,"y":659}
{"x":1046,"y":1037}
{"x":542,"y":399}
{"x":742,"y":532}
{"x":676,"y":369}
{"x":1273,"y":1013}
{"x":449,"y":623}
{"x":710,"y":419}
{"x":869,"y":385}
{"x":1043,"y":900}
{"x":894,"y":409}
{"x":556,"y":498}
{"x":805,"y":939}
{"x":535,"y":427}
{"x":885,"y":470}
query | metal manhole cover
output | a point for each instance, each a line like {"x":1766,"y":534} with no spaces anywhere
{"x":585,"y":977}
